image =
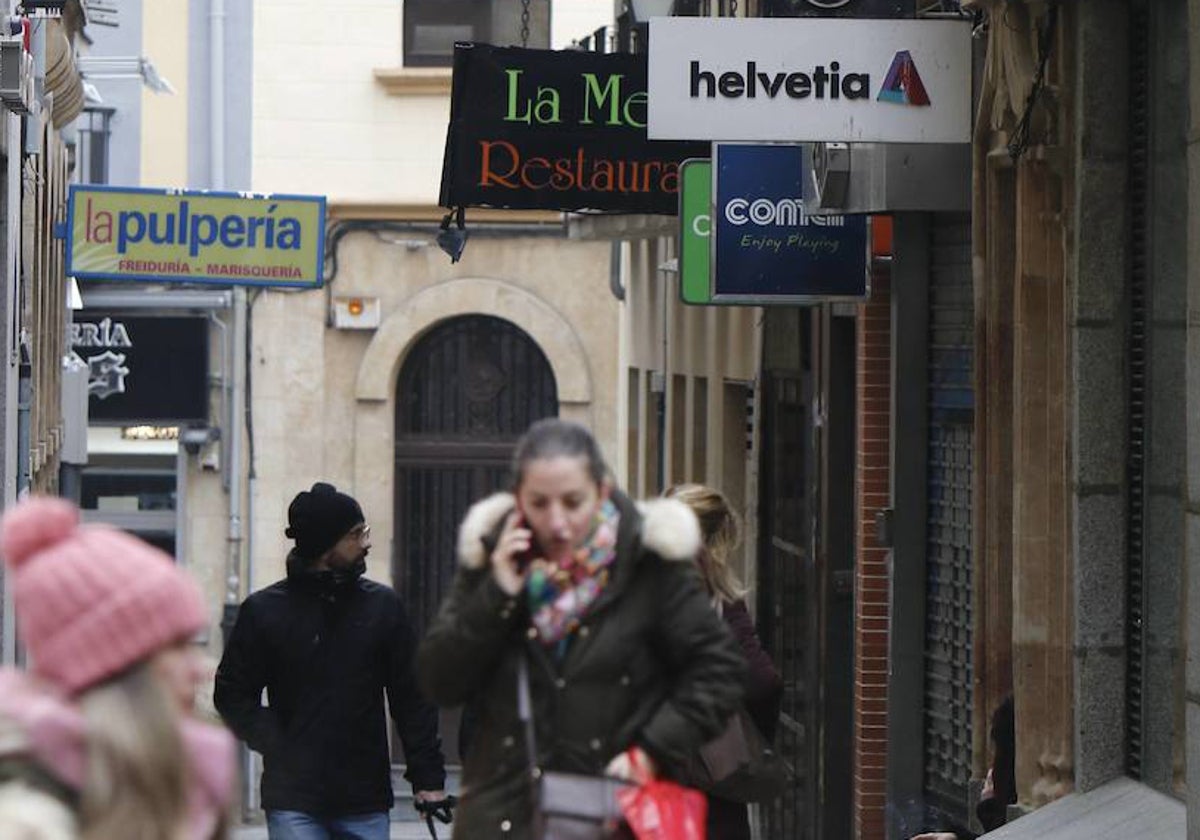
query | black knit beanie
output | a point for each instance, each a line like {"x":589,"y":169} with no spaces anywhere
{"x":319,"y":517}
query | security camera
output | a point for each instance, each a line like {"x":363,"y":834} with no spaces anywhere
{"x":196,"y":438}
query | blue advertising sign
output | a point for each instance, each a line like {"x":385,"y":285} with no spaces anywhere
{"x":767,"y":247}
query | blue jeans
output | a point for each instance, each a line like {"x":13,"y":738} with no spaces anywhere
{"x":296,"y":825}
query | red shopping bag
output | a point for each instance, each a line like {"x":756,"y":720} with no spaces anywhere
{"x":657,"y":809}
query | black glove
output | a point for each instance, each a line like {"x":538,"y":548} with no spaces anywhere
{"x":442,"y":811}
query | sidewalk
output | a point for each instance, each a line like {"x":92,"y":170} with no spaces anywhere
{"x":400,"y":831}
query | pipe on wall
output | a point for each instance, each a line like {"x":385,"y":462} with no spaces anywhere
{"x":216,"y":129}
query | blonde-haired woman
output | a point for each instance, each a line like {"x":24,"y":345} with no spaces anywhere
{"x":98,"y":740}
{"x":721,"y":533}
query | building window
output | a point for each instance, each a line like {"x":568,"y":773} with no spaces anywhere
{"x":94,"y":128}
{"x":432,"y":26}
{"x":677,"y":431}
{"x":653,"y":402}
{"x":700,"y":428}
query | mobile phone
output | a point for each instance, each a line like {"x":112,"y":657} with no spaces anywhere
{"x":522,"y":559}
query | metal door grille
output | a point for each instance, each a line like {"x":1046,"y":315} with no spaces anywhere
{"x":787,"y":613}
{"x":466,"y":392}
{"x":468,"y":389}
{"x":429,"y":497}
{"x":475,"y":378}
{"x":948,"y":619}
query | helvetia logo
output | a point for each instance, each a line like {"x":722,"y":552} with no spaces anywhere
{"x":903,"y":85}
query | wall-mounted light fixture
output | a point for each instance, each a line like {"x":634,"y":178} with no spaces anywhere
{"x":453,"y":240}
{"x":355,"y":313}
{"x":194,"y":439}
{"x":643,"y":10}
{"x":640,"y":12}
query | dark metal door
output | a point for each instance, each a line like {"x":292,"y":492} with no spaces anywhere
{"x":948,"y":569}
{"x":806,"y":575}
{"x":835,"y":561}
{"x":466,"y":392}
{"x":787,"y":589}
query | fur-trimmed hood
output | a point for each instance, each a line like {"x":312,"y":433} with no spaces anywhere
{"x":668,"y":528}
{"x":27,"y":812}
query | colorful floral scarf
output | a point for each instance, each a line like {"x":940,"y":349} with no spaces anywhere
{"x":561,"y":597}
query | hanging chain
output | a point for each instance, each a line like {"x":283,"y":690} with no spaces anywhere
{"x":524,"y":23}
{"x":1021,"y":134}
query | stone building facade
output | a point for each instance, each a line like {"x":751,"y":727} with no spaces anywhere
{"x":1081,"y":227}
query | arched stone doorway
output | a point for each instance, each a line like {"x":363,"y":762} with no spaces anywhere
{"x":467,"y":389}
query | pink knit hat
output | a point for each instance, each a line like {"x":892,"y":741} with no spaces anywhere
{"x":91,"y":600}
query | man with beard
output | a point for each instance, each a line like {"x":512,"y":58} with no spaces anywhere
{"x":327,"y":643}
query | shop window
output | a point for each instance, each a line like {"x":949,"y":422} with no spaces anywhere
{"x":633,"y":428}
{"x":128,"y":491}
{"x":653,"y":399}
{"x":700,"y":428}
{"x":432,"y":26}
{"x":139,"y":499}
{"x":735,"y":423}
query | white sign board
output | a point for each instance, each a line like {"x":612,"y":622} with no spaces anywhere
{"x":810,"y":79}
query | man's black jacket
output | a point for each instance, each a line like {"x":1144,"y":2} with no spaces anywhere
{"x":326,"y":648}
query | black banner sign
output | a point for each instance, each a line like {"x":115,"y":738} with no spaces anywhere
{"x":556,"y":130}
{"x":143,"y":369}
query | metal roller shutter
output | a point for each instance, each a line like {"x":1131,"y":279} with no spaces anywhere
{"x":948,"y":621}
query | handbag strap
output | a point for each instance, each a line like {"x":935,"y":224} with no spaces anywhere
{"x":525,"y":713}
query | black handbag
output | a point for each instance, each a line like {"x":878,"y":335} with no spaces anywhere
{"x":568,"y":806}
{"x":740,"y":765}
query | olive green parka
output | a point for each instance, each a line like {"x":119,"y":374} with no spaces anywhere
{"x":652,"y":665}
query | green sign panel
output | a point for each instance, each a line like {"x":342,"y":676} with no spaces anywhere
{"x":695,"y":220}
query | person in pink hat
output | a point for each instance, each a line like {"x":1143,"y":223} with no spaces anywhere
{"x":97,"y":737}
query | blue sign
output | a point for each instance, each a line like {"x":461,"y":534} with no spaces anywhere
{"x":767,"y":246}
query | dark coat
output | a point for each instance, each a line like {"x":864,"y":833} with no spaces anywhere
{"x":326,"y":651}
{"x":764,"y":690}
{"x":651,"y":666}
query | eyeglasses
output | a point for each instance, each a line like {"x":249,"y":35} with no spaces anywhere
{"x":359,"y":532}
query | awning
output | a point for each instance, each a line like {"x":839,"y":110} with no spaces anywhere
{"x":63,"y":82}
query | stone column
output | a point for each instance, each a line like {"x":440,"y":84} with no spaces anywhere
{"x":1192,"y":561}
{"x":1042,"y":596}
{"x":995,"y":271}
{"x":1099,"y":333}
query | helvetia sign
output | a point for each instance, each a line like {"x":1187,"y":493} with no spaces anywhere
{"x":116,"y":233}
{"x":810,"y":79}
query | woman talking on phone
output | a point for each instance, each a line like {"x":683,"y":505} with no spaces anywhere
{"x":630,"y":670}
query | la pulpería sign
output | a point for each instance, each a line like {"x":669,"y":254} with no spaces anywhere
{"x":556,"y":130}
{"x":193,"y":236}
